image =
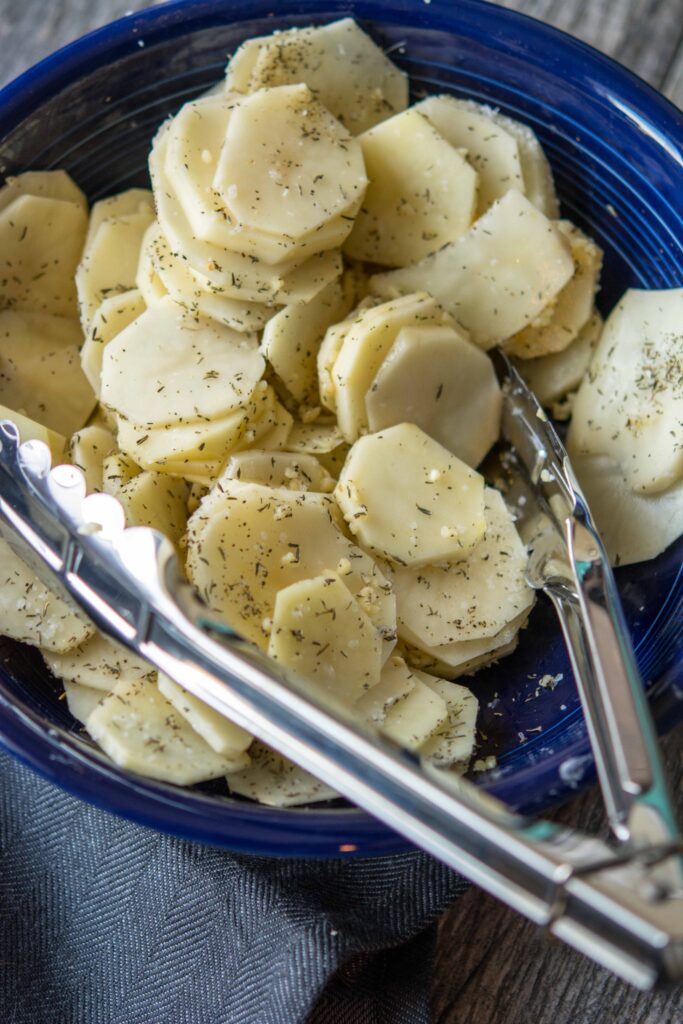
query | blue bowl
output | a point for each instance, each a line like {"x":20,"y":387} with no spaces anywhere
{"x":616,"y":150}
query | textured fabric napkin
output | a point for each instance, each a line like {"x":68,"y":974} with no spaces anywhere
{"x":105,"y":922}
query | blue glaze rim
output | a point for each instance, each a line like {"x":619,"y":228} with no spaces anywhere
{"x":71,"y":763}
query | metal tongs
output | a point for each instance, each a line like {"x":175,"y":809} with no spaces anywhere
{"x":620,"y":902}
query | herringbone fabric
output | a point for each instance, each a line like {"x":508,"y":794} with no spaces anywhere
{"x":104,"y":922}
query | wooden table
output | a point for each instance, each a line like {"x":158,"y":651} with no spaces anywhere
{"x":492,"y":966}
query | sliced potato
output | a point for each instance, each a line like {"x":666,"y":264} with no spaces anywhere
{"x":496,"y":278}
{"x":491,"y":149}
{"x":422,"y":193}
{"x":29,"y":430}
{"x":147,"y":280}
{"x":247,"y":542}
{"x":87,"y":450}
{"x":538,"y":178}
{"x":109,"y":319}
{"x":463,"y":656}
{"x":47,"y":184}
{"x":41,"y":241}
{"x":273,"y":780}
{"x":453,"y":742}
{"x":279,"y":469}
{"x":396,"y":682}
{"x":434,"y":377}
{"x":364,"y":348}
{"x":81,"y":700}
{"x":411,"y":720}
{"x":282,"y":144}
{"x":409,"y":499}
{"x":330,"y":347}
{"x":140,"y":730}
{"x":220,"y":733}
{"x":321,"y":633}
{"x":153,"y":499}
{"x":291,"y":339}
{"x":634,"y":526}
{"x":345,"y":69}
{"x":31,"y":612}
{"x":109,"y":266}
{"x":117,"y":469}
{"x":161,"y":447}
{"x":178,"y":281}
{"x":471,"y":599}
{"x":40,"y":370}
{"x":315,"y":438}
{"x":572,"y":306}
{"x":97,"y":664}
{"x":123,"y":204}
{"x":630,"y":404}
{"x":185,"y":368}
{"x":553,"y":377}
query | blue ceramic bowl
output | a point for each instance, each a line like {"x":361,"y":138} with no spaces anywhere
{"x":617,"y":153}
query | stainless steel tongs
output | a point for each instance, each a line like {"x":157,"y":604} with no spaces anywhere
{"x":620,"y":903}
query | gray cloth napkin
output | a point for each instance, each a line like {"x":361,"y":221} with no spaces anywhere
{"x":105,"y":922}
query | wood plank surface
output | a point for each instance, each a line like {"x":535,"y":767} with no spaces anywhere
{"x":492,"y":967}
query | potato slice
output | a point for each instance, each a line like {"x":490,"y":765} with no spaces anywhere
{"x":81,"y":700}
{"x":158,"y":448}
{"x":634,"y":526}
{"x":364,"y":348}
{"x":282,"y":143}
{"x":47,"y":184}
{"x":273,"y":780}
{"x":40,"y":370}
{"x":248,"y":542}
{"x":219,"y":732}
{"x":471,"y":599}
{"x":41,"y":241}
{"x":29,"y":430}
{"x":110,"y":263}
{"x":141,"y":731}
{"x":292,"y":337}
{"x":123,"y":204}
{"x":330,"y":347}
{"x":153,"y":499}
{"x":490,"y":148}
{"x":87,"y":450}
{"x":303,"y":282}
{"x":345,"y":69}
{"x":572,"y":306}
{"x":117,"y":470}
{"x":321,"y":633}
{"x":553,"y":377}
{"x":409,"y":499}
{"x":147,"y":281}
{"x":539,"y":187}
{"x":97,"y":664}
{"x":178,"y":281}
{"x":314,"y":438}
{"x":110,"y":318}
{"x":279,"y":469}
{"x":31,"y":612}
{"x":630,"y":405}
{"x":396,"y":682}
{"x":462,"y":657}
{"x":434,"y":377}
{"x":496,"y":278}
{"x":451,"y":743}
{"x":185,"y":368}
{"x":422,"y":193}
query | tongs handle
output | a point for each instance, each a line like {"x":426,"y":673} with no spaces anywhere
{"x":630,"y":741}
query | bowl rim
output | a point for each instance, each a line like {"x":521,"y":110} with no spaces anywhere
{"x":67,"y":761}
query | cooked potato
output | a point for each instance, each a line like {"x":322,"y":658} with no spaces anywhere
{"x":552,"y":377}
{"x":87,"y":450}
{"x":630,"y":404}
{"x":219,"y":732}
{"x":152,"y":499}
{"x":495,"y":279}
{"x":409,"y":499}
{"x":46,"y":184}
{"x":434,"y":377}
{"x":422,"y":193}
{"x":109,"y":266}
{"x":274,"y":780}
{"x":279,"y":469}
{"x":345,"y":69}
{"x":109,"y":319}
{"x":97,"y":664}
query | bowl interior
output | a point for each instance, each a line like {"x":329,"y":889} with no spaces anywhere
{"x":93,"y":109}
